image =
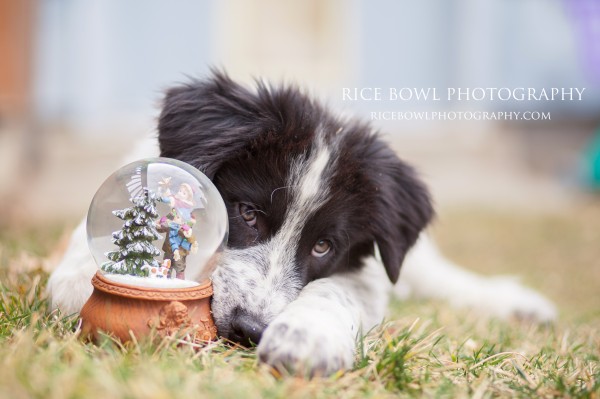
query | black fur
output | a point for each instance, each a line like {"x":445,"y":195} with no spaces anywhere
{"x":244,"y":141}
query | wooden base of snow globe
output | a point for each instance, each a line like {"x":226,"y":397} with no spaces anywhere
{"x":123,"y":310}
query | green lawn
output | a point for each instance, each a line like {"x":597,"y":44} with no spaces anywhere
{"x":426,"y":349}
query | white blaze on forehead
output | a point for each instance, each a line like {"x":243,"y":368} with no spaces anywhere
{"x":308,"y":181}
{"x":271,"y":266}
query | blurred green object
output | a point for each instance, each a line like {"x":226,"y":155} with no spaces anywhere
{"x":592,"y":161}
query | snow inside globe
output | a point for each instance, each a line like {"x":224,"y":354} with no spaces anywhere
{"x":157,"y":222}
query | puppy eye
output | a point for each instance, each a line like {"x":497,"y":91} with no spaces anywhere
{"x":249,"y":214}
{"x":321,"y":248}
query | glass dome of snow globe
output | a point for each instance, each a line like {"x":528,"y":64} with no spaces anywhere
{"x":157,"y":222}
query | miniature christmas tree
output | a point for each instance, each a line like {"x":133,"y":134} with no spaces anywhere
{"x":135,"y":238}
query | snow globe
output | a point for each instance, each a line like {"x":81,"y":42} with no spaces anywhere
{"x":156,"y":229}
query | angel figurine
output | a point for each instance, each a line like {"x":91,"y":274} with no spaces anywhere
{"x":180,"y":240}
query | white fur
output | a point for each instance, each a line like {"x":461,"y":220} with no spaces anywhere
{"x":310,"y":184}
{"x":329,"y":313}
{"x":427,"y":274}
{"x":309,"y":190}
{"x":69,"y":286}
{"x":261,"y":279}
{"x":250,"y":285}
{"x":315,"y":331}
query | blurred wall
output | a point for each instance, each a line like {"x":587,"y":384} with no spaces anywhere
{"x":84,"y":78}
{"x":477,"y":43}
{"x":16,"y":27}
{"x":313,"y":42}
{"x":103,"y":63}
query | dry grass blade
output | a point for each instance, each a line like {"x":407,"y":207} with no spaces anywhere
{"x":429,"y":350}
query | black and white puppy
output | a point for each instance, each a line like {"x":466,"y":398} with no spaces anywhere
{"x":322,"y":216}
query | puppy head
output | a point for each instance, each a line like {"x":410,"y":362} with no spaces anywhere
{"x":307,"y":194}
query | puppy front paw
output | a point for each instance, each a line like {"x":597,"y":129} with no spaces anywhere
{"x":316,"y":348}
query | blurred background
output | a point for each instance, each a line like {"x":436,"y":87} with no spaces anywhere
{"x":81,"y":82}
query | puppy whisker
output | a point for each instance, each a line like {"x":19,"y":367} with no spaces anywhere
{"x":278,"y":188}
{"x":254,"y":210}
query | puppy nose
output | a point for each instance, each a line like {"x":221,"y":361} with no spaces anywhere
{"x":246,"y":329}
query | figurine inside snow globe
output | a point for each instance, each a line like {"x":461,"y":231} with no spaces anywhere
{"x":157,"y":222}
{"x":156,"y":228}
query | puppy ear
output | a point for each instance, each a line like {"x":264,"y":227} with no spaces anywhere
{"x":206,"y":122}
{"x":402,"y":209}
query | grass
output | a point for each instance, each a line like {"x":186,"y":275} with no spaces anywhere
{"x":425,"y":349}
